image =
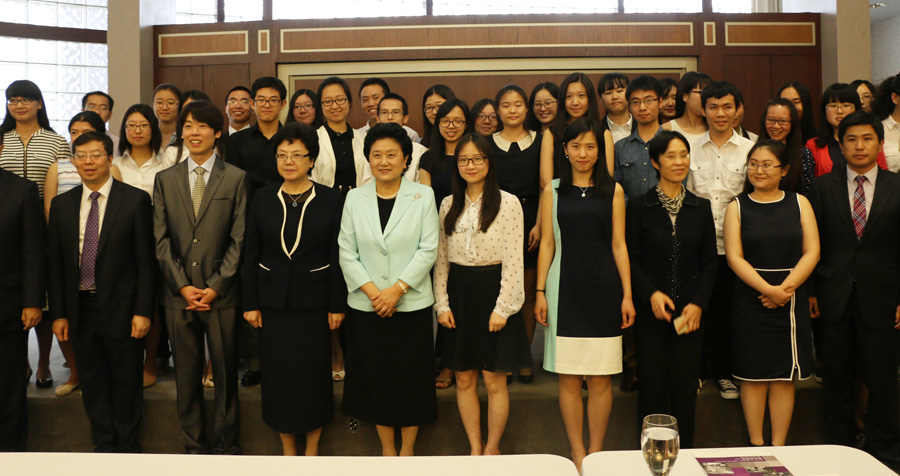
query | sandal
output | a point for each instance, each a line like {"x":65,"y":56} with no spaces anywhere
{"x":441,"y":382}
{"x":338,"y":376}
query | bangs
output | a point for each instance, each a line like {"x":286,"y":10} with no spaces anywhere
{"x":24,"y":89}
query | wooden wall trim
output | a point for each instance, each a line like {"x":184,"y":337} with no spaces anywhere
{"x":210,"y":43}
{"x":770,"y":34}
{"x":263,"y":41}
{"x":53,"y":33}
{"x":709,"y":33}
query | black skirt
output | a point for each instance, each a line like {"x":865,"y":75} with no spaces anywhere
{"x":390,"y":372}
{"x":473,"y":292}
{"x":295,"y":359}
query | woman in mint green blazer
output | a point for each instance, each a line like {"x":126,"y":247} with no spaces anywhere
{"x":388,"y":245}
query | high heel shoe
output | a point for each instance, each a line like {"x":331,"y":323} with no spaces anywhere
{"x":44,"y":382}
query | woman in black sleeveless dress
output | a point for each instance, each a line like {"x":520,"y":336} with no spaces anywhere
{"x":772,"y":244}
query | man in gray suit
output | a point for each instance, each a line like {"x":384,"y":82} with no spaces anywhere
{"x":199,"y":215}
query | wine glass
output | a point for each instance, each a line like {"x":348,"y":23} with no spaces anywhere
{"x":660,"y":443}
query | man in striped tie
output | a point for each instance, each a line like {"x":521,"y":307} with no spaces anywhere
{"x":857,"y":284}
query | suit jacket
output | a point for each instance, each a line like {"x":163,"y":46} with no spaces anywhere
{"x":203,"y":251}
{"x":406,"y":249}
{"x":872,"y":262}
{"x":23,"y":249}
{"x":304,"y":274}
{"x":688,"y":275}
{"x":126,"y":270}
{"x":323,"y":172}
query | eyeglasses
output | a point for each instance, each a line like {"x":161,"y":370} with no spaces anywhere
{"x":235,"y":102}
{"x":430,"y":109}
{"x":93,"y":155}
{"x":545,"y":104}
{"x":455,"y":122}
{"x":93,"y":107}
{"x":144,"y":127}
{"x":487,"y":117}
{"x":780,"y":122}
{"x":171,"y":103}
{"x":308,"y":107}
{"x":840,"y":107}
{"x":646,"y":102}
{"x":767,"y":166}
{"x":268,"y":102}
{"x":391,"y":113}
{"x":463,"y":161}
{"x":295,"y":157}
{"x":17,"y":101}
{"x":339,"y":101}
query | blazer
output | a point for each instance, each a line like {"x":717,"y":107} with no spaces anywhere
{"x":872,"y":262}
{"x":682,"y":265}
{"x":323,"y":172}
{"x":203,"y":251}
{"x":304,"y":274}
{"x":406,"y":251}
{"x":126,"y":270}
{"x":23,"y":245}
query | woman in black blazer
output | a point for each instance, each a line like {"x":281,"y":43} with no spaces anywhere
{"x":672,"y":245}
{"x":294,"y":292}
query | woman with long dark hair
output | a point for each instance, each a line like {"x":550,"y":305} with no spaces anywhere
{"x":431,"y":101}
{"x":887,"y":108}
{"x":689,"y":121}
{"x":866,"y":91}
{"x":542,"y":107}
{"x":303,"y":109}
{"x":584,"y":294}
{"x":797,"y":93}
{"x":667,"y":102}
{"x":781,"y":122}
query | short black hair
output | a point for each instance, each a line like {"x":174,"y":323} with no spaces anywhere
{"x":109,"y":98}
{"x":611,"y":81}
{"x":268,"y":82}
{"x":395,"y":97}
{"x":860,"y":118}
{"x":91,"y":136}
{"x":660,"y":143}
{"x":91,"y":118}
{"x":644,"y":82}
{"x":384,"y":85}
{"x":687,"y":83}
{"x":388,"y":130}
{"x":298,"y":131}
{"x":194,"y":95}
{"x":237,"y":88}
{"x":720,"y":89}
{"x":172,"y":89}
{"x":155,"y":134}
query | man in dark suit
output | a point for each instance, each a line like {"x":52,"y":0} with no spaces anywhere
{"x":199,"y":217}
{"x":23,"y":282}
{"x":103,"y":282}
{"x":857,"y":287}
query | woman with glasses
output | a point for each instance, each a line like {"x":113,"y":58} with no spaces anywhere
{"x":690,"y":121}
{"x":478,"y":288}
{"x":303,"y":109}
{"x":484,"y":113}
{"x":781,"y":122}
{"x":772,"y":244}
{"x":431,"y":101}
{"x":166,"y":106}
{"x":30,"y":148}
{"x":341,"y":163}
{"x":542,"y":107}
{"x":866,"y":91}
{"x":294,"y":292}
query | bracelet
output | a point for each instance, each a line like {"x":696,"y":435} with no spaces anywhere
{"x":402,"y":287}
{"x":540,"y":291}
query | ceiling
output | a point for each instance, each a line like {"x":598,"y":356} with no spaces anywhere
{"x":890,"y":10}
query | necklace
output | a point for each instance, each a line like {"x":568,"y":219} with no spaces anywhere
{"x":298,"y":195}
{"x":388,"y":198}
{"x":584,"y":190}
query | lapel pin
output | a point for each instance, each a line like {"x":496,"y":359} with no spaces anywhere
{"x":417,"y":196}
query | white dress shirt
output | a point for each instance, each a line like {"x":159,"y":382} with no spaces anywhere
{"x":141,"y":177}
{"x":868,"y":187}
{"x":620,"y":132}
{"x":207,"y":166}
{"x":86,"y":210}
{"x":232,"y":130}
{"x":718,"y":175}
{"x":892,"y":143}
{"x":413,"y":135}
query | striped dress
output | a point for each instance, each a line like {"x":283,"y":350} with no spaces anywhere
{"x":67,"y":176}
{"x":44,"y":148}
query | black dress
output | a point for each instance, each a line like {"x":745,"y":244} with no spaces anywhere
{"x":771,"y":344}
{"x":519,"y":173}
{"x":442,"y":169}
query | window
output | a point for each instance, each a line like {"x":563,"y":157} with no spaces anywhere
{"x":292,"y":10}
{"x":195,"y":11}
{"x":89,"y":14}
{"x":732,"y":6}
{"x":243,"y":10}
{"x":510,"y":7}
{"x":663,"y":6}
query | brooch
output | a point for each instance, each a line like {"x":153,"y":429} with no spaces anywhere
{"x":417,"y":196}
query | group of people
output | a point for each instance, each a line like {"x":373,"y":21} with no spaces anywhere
{"x":642,"y":204}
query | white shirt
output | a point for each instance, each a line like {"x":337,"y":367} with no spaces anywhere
{"x":753,"y":137}
{"x":718,"y":175}
{"x":115,"y":140}
{"x":523,"y":143}
{"x":207,"y":166}
{"x":141,"y":177}
{"x":232,"y":130}
{"x":412,"y":173}
{"x":168,"y":156}
{"x":413,"y":135}
{"x":868,"y":187}
{"x":892,"y":143}
{"x":86,"y":210}
{"x":619,"y":132}
{"x":468,"y":246}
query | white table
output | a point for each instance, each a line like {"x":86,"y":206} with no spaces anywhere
{"x":89,"y":464}
{"x":815,"y":460}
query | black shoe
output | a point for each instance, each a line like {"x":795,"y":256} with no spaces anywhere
{"x":509,"y":379}
{"x":526,"y":379}
{"x":250,"y":378}
{"x":629,"y":381}
{"x":44,"y":382}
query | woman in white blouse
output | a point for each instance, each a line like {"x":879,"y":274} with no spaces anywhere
{"x":479,"y":290}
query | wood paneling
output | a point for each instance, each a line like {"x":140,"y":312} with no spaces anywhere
{"x":203,"y":44}
{"x":218,"y":79}
{"x":185,"y":77}
{"x":748,"y":33}
{"x":752,"y":76}
{"x":263,"y":42}
{"x":709,"y":33}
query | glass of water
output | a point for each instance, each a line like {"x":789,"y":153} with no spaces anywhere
{"x":660,"y":443}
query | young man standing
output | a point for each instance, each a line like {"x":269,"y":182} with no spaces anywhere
{"x":393,"y":108}
{"x":102,"y":104}
{"x":238,"y":109}
{"x":371,"y":91}
{"x":611,"y":89}
{"x":633,"y":169}
{"x":103,"y":288}
{"x":718,"y":172}
{"x":252,"y":149}
{"x":199,"y":218}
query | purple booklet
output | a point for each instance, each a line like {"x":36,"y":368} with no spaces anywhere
{"x":747,"y":465}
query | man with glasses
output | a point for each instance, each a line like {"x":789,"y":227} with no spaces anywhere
{"x":102,"y":104}
{"x":393,"y":108}
{"x":238,"y":109}
{"x":633,"y":169}
{"x":371,"y":92}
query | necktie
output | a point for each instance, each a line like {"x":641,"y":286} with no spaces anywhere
{"x":859,"y":206}
{"x":199,"y":189}
{"x":89,"y":247}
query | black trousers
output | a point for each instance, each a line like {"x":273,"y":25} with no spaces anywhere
{"x":717,"y":324}
{"x":668,"y":368}
{"x":187,"y":330}
{"x":853,"y":350}
{"x":13,"y":397}
{"x":110,"y":372}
